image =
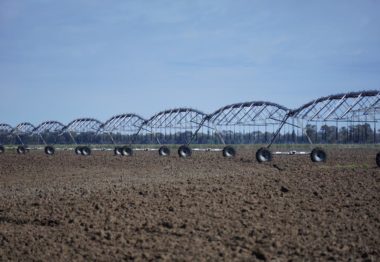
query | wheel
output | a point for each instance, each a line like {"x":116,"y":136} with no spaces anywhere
{"x":164,"y":151}
{"x":126,"y":151}
{"x":184,"y":151}
{"x":2,"y":149}
{"x":78,"y":150}
{"x":117,"y":151}
{"x":21,"y":150}
{"x":378,"y":159}
{"x":229,"y":151}
{"x":318,"y":155}
{"x":49,"y":150}
{"x":86,"y":151}
{"x":263,"y":155}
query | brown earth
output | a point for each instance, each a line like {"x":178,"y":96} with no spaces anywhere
{"x":145,"y":207}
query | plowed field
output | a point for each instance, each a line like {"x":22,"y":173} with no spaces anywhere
{"x":146,"y":207}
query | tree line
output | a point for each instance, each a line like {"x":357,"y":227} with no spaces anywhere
{"x":356,"y":134}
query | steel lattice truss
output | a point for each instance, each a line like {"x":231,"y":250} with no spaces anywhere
{"x":125,"y":123}
{"x":341,"y":107}
{"x":122,"y":129}
{"x":179,"y":118}
{"x":5,"y":129}
{"x":248,"y":122}
{"x":352,"y":115}
{"x":338,"y":118}
{"x":24,"y":128}
{"x":49,"y":126}
{"x":176,"y":121}
{"x":83,"y":125}
{"x":249,"y":113}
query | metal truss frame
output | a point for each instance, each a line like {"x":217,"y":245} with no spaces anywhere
{"x":81,"y":125}
{"x":24,"y":128}
{"x":50,"y":126}
{"x":5,"y":129}
{"x":352,"y":107}
{"x":340,"y":107}
{"x":177,"y":119}
{"x":129,"y":124}
{"x":248,"y":114}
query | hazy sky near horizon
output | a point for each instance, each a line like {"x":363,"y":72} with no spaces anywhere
{"x":61,"y":60}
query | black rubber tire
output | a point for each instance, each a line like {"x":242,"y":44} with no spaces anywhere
{"x":126,"y":151}
{"x":164,"y":151}
{"x":86,"y":151}
{"x":264,"y":155}
{"x":117,"y":151}
{"x":229,"y":151}
{"x":2,"y":149}
{"x":318,"y":155}
{"x":78,"y":150}
{"x":21,"y":150}
{"x":49,"y":150}
{"x":184,"y":151}
{"x":378,"y":159}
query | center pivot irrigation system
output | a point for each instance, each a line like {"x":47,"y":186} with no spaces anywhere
{"x":344,"y":119}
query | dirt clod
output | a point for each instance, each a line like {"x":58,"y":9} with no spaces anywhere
{"x":259,"y":255}
{"x":167,"y":224}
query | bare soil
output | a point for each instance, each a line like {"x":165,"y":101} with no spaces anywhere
{"x":145,"y":207}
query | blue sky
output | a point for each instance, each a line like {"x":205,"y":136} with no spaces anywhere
{"x":60,"y":60}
